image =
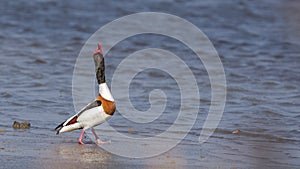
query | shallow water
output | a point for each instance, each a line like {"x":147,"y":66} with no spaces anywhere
{"x":258,"y":43}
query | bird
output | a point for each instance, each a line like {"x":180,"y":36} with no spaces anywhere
{"x":98,"y":111}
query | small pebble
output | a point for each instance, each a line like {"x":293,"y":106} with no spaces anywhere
{"x":236,"y":131}
{"x":173,"y":162}
{"x":131,"y":131}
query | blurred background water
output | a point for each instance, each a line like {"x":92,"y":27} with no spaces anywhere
{"x":258,"y":43}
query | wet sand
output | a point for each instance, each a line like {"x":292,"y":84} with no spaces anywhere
{"x":26,"y":149}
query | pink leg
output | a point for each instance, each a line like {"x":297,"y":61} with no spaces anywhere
{"x":97,"y":138}
{"x":81,"y":136}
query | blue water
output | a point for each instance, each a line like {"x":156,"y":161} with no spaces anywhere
{"x":258,"y":43}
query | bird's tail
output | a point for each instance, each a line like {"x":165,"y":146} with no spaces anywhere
{"x":58,"y":128}
{"x":68,"y":125}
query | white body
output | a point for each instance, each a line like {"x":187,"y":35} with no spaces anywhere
{"x":91,"y":117}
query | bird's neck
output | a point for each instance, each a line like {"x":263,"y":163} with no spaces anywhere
{"x":105,"y":92}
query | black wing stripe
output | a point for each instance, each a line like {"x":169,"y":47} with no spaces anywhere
{"x":93,"y":104}
{"x":59,"y":126}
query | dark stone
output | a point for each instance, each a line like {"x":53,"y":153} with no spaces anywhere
{"x":23,"y":125}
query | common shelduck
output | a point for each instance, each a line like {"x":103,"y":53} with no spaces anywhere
{"x":96,"y":112}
